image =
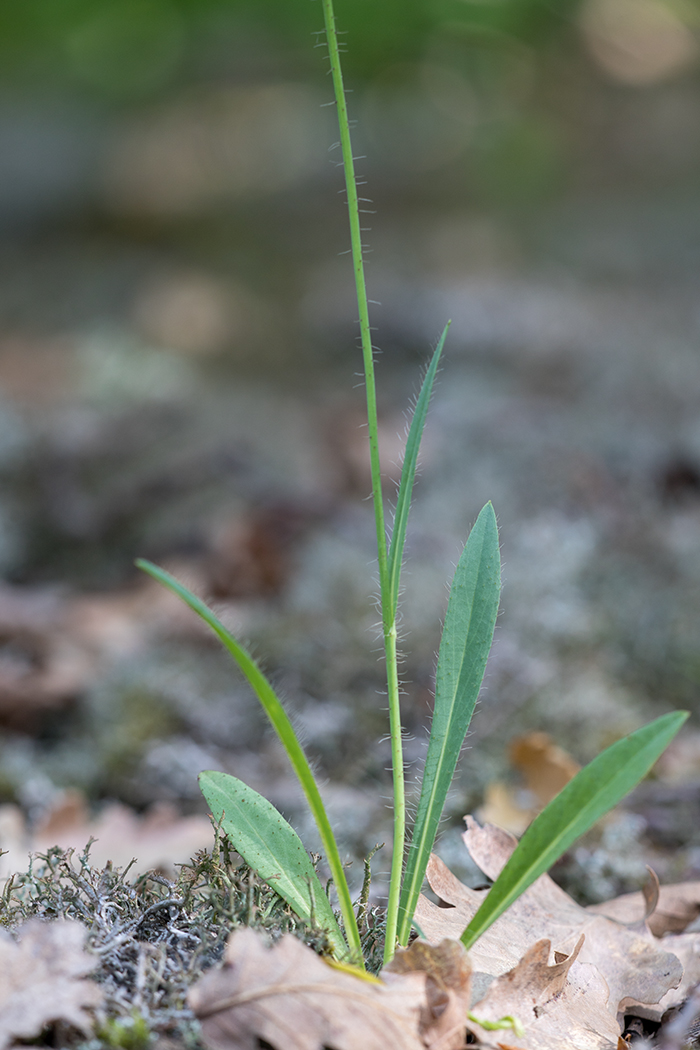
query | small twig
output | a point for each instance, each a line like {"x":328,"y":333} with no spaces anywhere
{"x":364,"y":892}
{"x":168,"y":902}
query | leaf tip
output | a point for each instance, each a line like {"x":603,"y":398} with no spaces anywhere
{"x":683,"y":718}
{"x":677,"y":719}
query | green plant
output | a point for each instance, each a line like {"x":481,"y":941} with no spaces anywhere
{"x":260,"y":834}
{"x":129,"y":1033}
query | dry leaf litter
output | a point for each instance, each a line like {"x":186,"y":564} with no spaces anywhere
{"x":100,"y":960}
{"x":549,"y":974}
{"x":43,"y":980}
{"x":143,"y":940}
{"x":157,"y":839}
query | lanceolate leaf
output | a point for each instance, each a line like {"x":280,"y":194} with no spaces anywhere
{"x":408,"y":475}
{"x":465,"y":645}
{"x":593,"y":791}
{"x":285,"y":731}
{"x":272,"y":848}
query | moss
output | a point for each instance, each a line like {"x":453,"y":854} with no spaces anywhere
{"x":152,"y":938}
{"x":130,"y":1033}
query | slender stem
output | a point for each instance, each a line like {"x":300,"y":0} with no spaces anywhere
{"x":362,"y":303}
{"x":388,"y":611}
{"x":392,"y":910}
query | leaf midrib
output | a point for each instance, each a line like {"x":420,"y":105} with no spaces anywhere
{"x":418,"y":846}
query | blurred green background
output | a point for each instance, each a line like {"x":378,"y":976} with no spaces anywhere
{"x":194,"y":129}
{"x":505,"y":103}
{"x":178,"y":351}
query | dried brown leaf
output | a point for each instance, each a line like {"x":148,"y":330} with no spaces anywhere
{"x":501,"y":806}
{"x":43,"y":980}
{"x":634,"y":966}
{"x":293,"y":1000}
{"x":678,"y":905}
{"x":686,"y":948}
{"x":159,"y":839}
{"x":447,"y":988}
{"x":665,"y":911}
{"x":668,"y":909}
{"x":560,"y":1005}
{"x":545,"y":767}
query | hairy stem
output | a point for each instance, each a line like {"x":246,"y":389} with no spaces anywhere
{"x":388,"y":612}
{"x":392,"y":911}
{"x":362,"y":302}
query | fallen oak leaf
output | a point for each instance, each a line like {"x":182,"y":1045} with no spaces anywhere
{"x":290,"y":998}
{"x":627,"y":958}
{"x":556,"y":1005}
{"x":678,"y":905}
{"x":43,"y":980}
{"x":686,"y":948}
{"x":633,"y":966}
{"x":447,"y":989}
{"x":490,"y":956}
{"x":669,"y":909}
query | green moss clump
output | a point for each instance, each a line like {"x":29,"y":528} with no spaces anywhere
{"x":129,"y":1033}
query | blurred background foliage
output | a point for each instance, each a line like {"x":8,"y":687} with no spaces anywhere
{"x":519,"y":87}
{"x":177,"y":356}
{"x":169,"y":205}
{"x":126,"y":49}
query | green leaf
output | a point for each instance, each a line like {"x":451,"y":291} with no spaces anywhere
{"x":272,"y":848}
{"x":593,"y":791}
{"x":408,"y":476}
{"x":285,"y":731}
{"x":464,"y":649}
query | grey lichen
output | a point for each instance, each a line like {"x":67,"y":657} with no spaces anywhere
{"x":152,"y":938}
